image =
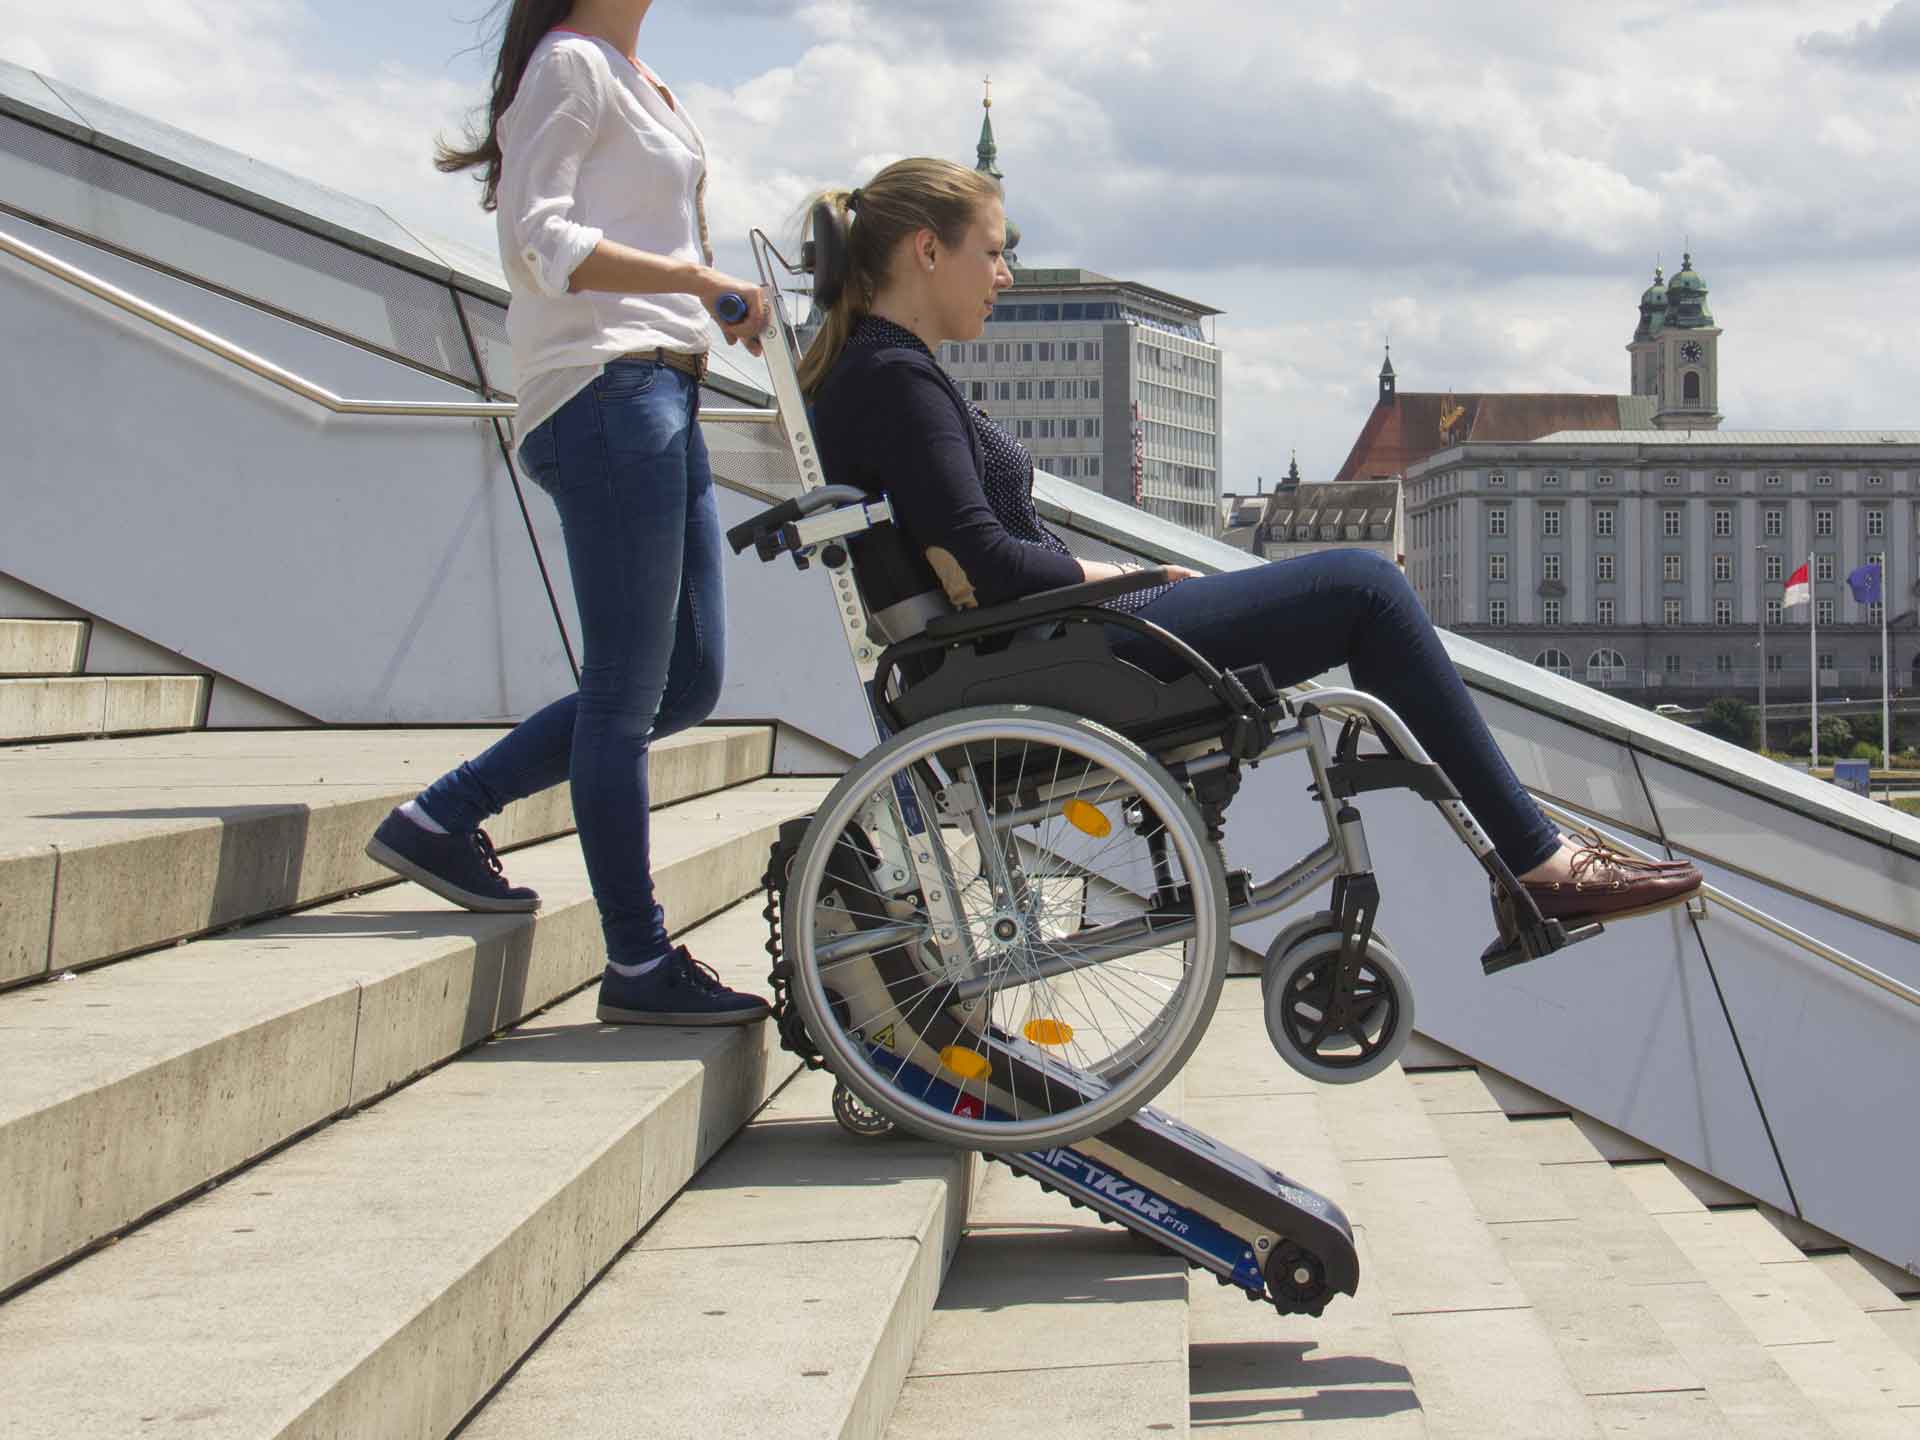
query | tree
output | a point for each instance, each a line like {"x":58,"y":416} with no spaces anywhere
{"x":1731,"y":718}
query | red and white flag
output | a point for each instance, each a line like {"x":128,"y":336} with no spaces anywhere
{"x":1799,"y":592}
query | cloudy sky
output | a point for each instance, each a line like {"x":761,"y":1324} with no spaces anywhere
{"x":1489,"y":180}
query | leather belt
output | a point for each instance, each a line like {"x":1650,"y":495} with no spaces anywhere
{"x":687,"y":362}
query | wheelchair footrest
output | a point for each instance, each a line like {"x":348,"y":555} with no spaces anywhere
{"x":1532,"y":943}
{"x":1216,"y":1208}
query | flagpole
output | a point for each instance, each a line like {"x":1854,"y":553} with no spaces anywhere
{"x":1759,"y":558}
{"x":1886,"y":680}
{"x":1813,"y":659}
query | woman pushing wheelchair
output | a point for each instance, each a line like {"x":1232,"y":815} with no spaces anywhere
{"x":926,"y":261}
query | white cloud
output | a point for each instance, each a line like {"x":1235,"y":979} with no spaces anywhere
{"x":238,"y":74}
{"x":1491,"y":182}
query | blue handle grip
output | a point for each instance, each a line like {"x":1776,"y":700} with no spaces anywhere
{"x":732,"y":307}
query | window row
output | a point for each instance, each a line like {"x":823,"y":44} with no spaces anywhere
{"x":1552,"y":612}
{"x":1202,"y":409}
{"x":1071,"y":467}
{"x":1672,"y":522}
{"x":1024,"y":352}
{"x":1673,"y":480}
{"x":1047,"y":314}
{"x":1001,"y":391}
{"x":1602,"y":665}
{"x":1049,"y":427}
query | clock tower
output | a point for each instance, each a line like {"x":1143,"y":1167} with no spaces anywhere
{"x":1675,"y":352}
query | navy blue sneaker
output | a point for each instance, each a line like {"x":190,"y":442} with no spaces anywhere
{"x":677,"y":991}
{"x":461,"y":867}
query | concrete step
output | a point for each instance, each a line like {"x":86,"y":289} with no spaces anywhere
{"x":381,"y":1277}
{"x":77,"y":707}
{"x":1763,"y":1346}
{"x":1866,"y":1283}
{"x":1632,"y":1320}
{"x":115,"y":847}
{"x":1853,"y":1372}
{"x":42,"y":647}
{"x":783,"y":1293}
{"x":1255,"y":1374}
{"x":1481,"y":1359}
{"x":129,"y":1086}
{"x":1050,"y":1323}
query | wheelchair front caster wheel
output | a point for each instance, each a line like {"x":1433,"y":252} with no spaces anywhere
{"x":861,"y":1121}
{"x":1328,"y":1036}
{"x":1320,"y":922}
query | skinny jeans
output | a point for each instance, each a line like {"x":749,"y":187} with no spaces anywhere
{"x":1305,"y":616}
{"x":626,"y":466}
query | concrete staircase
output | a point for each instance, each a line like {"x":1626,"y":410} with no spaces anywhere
{"x":288,"y":1149}
{"x":44,"y":694}
{"x":1531,"y":1274}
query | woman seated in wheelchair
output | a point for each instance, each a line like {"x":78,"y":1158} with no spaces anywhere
{"x":926,"y":260}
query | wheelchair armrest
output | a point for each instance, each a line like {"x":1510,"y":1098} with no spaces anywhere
{"x":763,"y":531}
{"x":1038,"y":606}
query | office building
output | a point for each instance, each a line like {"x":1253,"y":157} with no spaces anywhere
{"x":1111,"y":384}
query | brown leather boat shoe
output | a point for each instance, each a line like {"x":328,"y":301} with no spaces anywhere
{"x":1608,"y":884}
{"x":1600,"y":841}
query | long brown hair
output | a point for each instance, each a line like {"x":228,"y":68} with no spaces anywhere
{"x":527,"y":23}
{"x":906,"y":197}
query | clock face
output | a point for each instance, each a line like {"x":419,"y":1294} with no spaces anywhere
{"x":1691,"y":352}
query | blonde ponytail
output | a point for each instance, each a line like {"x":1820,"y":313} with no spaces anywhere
{"x":903,"y":199}
{"x":847,"y":309}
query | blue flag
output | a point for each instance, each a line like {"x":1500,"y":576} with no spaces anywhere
{"x":1865,"y":584}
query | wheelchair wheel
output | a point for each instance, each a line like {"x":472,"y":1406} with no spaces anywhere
{"x":1008,"y":928}
{"x":1319,"y":922}
{"x":1332,"y":1039}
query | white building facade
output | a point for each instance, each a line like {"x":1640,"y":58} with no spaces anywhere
{"x":1647,"y":560}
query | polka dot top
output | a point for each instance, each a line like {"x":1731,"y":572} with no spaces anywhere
{"x":1008,"y":480}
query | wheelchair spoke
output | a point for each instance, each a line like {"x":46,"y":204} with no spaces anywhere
{"x":1023,"y":912}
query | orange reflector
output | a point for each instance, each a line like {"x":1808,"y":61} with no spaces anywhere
{"x":967,"y":1064}
{"x":1087,"y":819}
{"x":1049,"y":1032}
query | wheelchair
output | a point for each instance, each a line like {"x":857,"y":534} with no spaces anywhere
{"x":1008,"y":925}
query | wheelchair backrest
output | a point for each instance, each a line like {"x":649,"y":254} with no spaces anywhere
{"x":897,"y":590}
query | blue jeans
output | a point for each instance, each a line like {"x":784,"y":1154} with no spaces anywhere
{"x":626,"y":465}
{"x":1302,"y":617}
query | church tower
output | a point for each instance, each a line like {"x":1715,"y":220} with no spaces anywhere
{"x":1675,"y":351}
{"x":987,"y":162}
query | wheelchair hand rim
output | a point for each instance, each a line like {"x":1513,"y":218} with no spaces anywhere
{"x":1199,"y":860}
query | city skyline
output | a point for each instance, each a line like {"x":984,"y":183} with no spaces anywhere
{"x":1493,"y":187}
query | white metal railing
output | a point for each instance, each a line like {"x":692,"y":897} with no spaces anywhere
{"x":1737,"y":906}
{"x":204,"y":339}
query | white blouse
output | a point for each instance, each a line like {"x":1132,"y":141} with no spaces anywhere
{"x":590,"y":150}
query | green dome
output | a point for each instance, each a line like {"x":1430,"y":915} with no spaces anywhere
{"x":1653,"y":307}
{"x":1687,"y":298}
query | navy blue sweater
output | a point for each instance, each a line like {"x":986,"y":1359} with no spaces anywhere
{"x":889,"y":420}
